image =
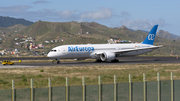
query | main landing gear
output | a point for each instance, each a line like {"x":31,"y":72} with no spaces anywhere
{"x":56,"y":60}
{"x":115,"y":60}
{"x":98,"y":60}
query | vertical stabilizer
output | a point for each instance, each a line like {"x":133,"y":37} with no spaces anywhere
{"x":151,"y":36}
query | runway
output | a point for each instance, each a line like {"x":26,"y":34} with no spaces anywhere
{"x":122,"y":61}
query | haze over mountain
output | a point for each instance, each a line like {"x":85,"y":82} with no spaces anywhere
{"x":9,"y":21}
{"x":167,"y":35}
{"x":163,"y":34}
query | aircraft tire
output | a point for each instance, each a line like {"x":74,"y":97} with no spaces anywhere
{"x":115,"y":60}
{"x":58,"y":62}
{"x":98,"y":60}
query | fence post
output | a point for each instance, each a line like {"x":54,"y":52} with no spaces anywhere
{"x":13,"y":91}
{"x":99,"y":82}
{"x":83,"y":88}
{"x":67,"y":93}
{"x":158,"y":80}
{"x":130,"y":87}
{"x":32,"y":91}
{"x":172,"y":87}
{"x":49,"y":85}
{"x":144,"y":81}
{"x":115,"y":92}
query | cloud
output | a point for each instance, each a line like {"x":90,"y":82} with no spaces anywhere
{"x":18,"y":8}
{"x":24,"y":11}
{"x":102,"y":13}
{"x":66,"y":14}
{"x":125,"y":14}
{"x":161,"y":22}
{"x":41,"y":2}
{"x":142,"y":24}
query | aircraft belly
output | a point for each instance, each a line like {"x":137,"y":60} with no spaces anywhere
{"x":81,"y":55}
{"x":72,"y":55}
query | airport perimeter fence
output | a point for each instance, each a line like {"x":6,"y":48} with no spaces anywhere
{"x":167,"y":90}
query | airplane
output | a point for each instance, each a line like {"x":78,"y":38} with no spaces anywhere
{"x":104,"y":52}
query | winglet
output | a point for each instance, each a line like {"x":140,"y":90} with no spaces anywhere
{"x":151,"y":36}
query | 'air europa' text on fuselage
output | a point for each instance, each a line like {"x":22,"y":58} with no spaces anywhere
{"x":80,"y":49}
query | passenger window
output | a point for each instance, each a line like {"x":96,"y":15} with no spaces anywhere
{"x":54,"y":50}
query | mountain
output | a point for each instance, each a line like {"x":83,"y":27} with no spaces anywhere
{"x":9,"y":21}
{"x":85,"y":32}
{"x":177,"y":37}
{"x":80,"y":33}
{"x":164,"y":34}
{"x":167,"y":35}
{"x":71,"y":33}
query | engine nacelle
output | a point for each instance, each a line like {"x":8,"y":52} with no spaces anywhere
{"x":107,"y":56}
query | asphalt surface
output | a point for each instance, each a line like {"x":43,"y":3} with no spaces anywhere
{"x":122,"y":61}
{"x":24,"y":58}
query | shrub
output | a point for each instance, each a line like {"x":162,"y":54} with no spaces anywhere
{"x":41,"y":70}
{"x":24,"y":79}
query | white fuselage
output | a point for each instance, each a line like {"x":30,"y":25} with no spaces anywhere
{"x":90,"y":50}
{"x":104,"y":52}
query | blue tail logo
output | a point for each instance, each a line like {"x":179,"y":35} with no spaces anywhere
{"x":151,"y":36}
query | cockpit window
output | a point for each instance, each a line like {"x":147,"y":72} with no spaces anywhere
{"x":53,"y":51}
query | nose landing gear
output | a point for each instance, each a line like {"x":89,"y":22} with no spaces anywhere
{"x":56,"y":60}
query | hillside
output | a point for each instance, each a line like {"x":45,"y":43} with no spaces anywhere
{"x":8,"y":21}
{"x":6,"y":35}
{"x":53,"y":30}
{"x":12,"y":29}
{"x":52,"y":34}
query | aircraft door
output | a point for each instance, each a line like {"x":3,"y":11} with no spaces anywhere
{"x":63,"y":50}
{"x":118,"y":48}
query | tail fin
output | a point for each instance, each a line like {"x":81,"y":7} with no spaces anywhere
{"x":151,"y":36}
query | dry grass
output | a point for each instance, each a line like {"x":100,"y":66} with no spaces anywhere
{"x":58,"y":74}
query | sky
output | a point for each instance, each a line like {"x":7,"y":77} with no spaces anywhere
{"x":134,"y":14}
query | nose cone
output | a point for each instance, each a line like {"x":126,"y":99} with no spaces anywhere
{"x":52,"y":55}
{"x":49,"y":55}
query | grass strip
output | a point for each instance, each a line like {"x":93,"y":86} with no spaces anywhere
{"x":58,"y":74}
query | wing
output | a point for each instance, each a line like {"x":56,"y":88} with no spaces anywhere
{"x":130,"y":50}
{"x":136,"y":49}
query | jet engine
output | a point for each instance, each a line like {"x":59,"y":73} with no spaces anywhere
{"x":107,"y":56}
